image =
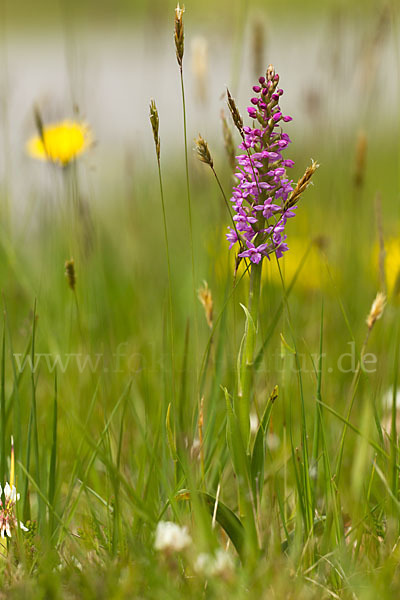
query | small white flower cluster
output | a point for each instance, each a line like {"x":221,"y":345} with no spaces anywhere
{"x":8,"y":520}
{"x":170,"y":537}
{"x":218,"y":565}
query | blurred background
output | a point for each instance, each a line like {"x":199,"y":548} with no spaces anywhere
{"x":338,"y":62}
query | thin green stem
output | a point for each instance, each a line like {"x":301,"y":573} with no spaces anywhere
{"x":34,"y":419}
{"x":318,"y":416}
{"x":229,"y":211}
{"x":393,"y":432}
{"x":189,"y":205}
{"x":306,"y":490}
{"x":247,"y":366}
{"x":224,"y":197}
{"x":3,"y":408}
{"x":53,"y":459}
{"x":353,"y":392}
{"x":171,"y":319}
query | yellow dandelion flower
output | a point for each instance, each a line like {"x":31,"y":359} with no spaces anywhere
{"x":60,"y":142}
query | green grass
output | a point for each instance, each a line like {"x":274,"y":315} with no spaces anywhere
{"x":107,"y":427}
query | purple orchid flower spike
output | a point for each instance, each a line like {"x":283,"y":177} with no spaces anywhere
{"x":260,"y":198}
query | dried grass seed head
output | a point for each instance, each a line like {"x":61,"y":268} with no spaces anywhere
{"x":70,"y":273}
{"x":228,"y":142}
{"x":205,"y":297}
{"x":236,"y":116}
{"x":361,"y":155}
{"x":155,"y":123}
{"x":377,"y":308}
{"x":203,"y":151}
{"x":179,"y":34}
{"x":302,"y":184}
{"x":271,"y":73}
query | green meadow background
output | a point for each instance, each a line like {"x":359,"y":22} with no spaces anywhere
{"x":94,"y":438}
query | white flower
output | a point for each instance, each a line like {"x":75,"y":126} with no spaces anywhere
{"x":218,"y":565}
{"x":313,"y":472}
{"x":8,"y":520}
{"x":10,"y":493}
{"x":195,"y":449}
{"x":223,"y":563}
{"x":253,"y":423}
{"x":170,"y":537}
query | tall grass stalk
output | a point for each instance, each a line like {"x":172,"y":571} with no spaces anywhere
{"x":394,"y":448}
{"x":303,"y":478}
{"x":5,"y":110}
{"x":375,"y":313}
{"x":3,"y":407}
{"x":154,"y":119}
{"x":179,"y":45}
{"x":35,"y":421}
{"x":53,"y":460}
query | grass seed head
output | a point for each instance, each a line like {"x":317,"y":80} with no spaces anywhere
{"x":271,"y":76}
{"x":361,"y":155}
{"x":179,"y":34}
{"x":377,"y":309}
{"x":301,"y":185}
{"x":205,"y":297}
{"x":203,"y":151}
{"x":228,"y":142}
{"x":155,"y":122}
{"x":236,"y":116}
{"x":70,"y":273}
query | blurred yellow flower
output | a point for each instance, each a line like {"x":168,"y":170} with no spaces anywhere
{"x":392,"y":262}
{"x":60,"y":142}
{"x":313,"y":275}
